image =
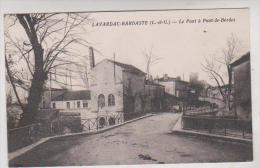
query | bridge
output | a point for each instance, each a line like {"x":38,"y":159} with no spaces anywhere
{"x":146,"y":141}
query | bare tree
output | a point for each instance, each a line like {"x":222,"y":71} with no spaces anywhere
{"x":83,"y":72}
{"x":47,"y":44}
{"x":150,"y":59}
{"x":215,"y":65}
{"x":10,"y":79}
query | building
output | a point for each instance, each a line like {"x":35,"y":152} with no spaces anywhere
{"x":154,"y":96}
{"x":175,"y":86}
{"x":73,"y":102}
{"x":116,"y":89}
{"x":177,"y":92}
{"x":241,"y":81}
{"x":48,"y":94}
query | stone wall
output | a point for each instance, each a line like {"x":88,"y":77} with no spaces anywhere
{"x":133,"y":89}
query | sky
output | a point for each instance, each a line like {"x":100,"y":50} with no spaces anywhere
{"x":182,"y":45}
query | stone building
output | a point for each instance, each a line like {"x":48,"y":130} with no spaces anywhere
{"x":48,"y":94}
{"x":67,"y":101}
{"x":154,"y":96}
{"x":73,"y":102}
{"x":176,"y":92}
{"x":117,"y":89}
{"x":241,"y":79}
{"x":175,"y":86}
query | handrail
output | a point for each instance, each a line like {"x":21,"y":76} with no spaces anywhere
{"x":23,"y":127}
{"x":216,"y":123}
{"x":214,"y":118}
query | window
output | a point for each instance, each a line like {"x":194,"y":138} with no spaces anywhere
{"x":101,"y":100}
{"x":68,"y":105}
{"x":54,"y":105}
{"x":111,"y":100}
{"x":78,"y":104}
{"x":85,"y":104}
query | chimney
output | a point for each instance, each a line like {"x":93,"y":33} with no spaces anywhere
{"x":91,"y":58}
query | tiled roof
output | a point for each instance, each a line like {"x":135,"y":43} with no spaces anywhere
{"x":127,"y":67}
{"x":73,"y":95}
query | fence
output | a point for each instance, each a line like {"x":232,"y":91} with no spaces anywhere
{"x":104,"y":120}
{"x":218,"y":125}
{"x":26,"y":135}
{"x":23,"y":136}
{"x":90,"y":124}
{"x":66,"y":123}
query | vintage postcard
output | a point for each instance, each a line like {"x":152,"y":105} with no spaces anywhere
{"x":128,"y":87}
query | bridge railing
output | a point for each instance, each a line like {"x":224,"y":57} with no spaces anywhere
{"x":66,"y":123}
{"x":23,"y":136}
{"x":107,"y":119}
{"x":218,"y":125}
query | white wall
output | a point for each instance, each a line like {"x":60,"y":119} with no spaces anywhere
{"x":73,"y":104}
{"x":169,"y":86}
{"x":102,"y":81}
{"x":84,"y":111}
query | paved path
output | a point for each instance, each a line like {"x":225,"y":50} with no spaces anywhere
{"x":144,"y":141}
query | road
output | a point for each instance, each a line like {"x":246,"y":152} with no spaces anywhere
{"x":146,"y":141}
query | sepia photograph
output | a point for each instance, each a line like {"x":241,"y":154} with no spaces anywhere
{"x":128,"y":87}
